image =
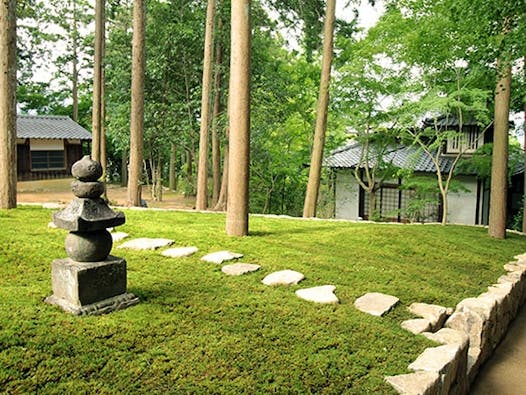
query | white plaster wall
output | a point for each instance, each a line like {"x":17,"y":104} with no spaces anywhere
{"x":462,"y":205}
{"x":46,"y":145}
{"x":347,"y":195}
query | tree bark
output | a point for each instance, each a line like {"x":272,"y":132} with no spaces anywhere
{"x":216,"y":145}
{"x":223,"y":193}
{"x":137,"y":104}
{"x":524,"y":191}
{"x":239,"y":120}
{"x":499,"y":164}
{"x":313,"y":185}
{"x":8,"y":175}
{"x":172,"y":178}
{"x":97,"y":80}
{"x":74,"y":66}
{"x":202,"y":171}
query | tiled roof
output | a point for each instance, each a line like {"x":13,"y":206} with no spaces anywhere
{"x":49,"y":127}
{"x":348,"y":156}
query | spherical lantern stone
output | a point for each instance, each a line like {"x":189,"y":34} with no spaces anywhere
{"x":88,"y":246}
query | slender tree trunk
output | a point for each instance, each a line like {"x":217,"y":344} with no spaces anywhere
{"x":103,"y":153}
{"x":137,"y":104}
{"x":8,"y":175}
{"x":313,"y":185}
{"x":524,"y":191}
{"x":172,"y":179}
{"x":372,"y":203}
{"x":202,"y":171}
{"x":499,"y":164}
{"x":74,"y":66}
{"x":239,"y":120}
{"x":223,"y":193}
{"x":124,"y":169}
{"x":216,"y":146}
{"x":97,"y":80}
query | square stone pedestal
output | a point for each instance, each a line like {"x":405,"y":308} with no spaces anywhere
{"x":90,"y":287}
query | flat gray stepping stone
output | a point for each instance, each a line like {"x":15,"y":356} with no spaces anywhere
{"x":283,"y":277}
{"x":221,"y":256}
{"x":321,"y":294}
{"x":145,"y":243}
{"x":52,"y":206}
{"x":237,"y":269}
{"x":179,"y":252}
{"x":417,"y":326}
{"x":375,"y":303}
{"x":118,"y":236}
{"x":415,"y":383}
{"x":435,"y":314}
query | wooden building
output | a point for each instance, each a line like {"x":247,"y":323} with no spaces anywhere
{"x":47,"y":146}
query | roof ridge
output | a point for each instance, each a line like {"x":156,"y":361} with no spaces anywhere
{"x":43,"y":116}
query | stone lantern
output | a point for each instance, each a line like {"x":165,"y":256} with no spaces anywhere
{"x":89,"y":281}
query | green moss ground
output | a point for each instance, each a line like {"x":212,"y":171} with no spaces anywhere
{"x":197,"y":330}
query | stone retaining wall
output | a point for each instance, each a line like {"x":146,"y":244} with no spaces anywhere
{"x":469,"y":337}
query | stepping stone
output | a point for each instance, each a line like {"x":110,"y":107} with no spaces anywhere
{"x":283,"y":277}
{"x":415,"y":383}
{"x":376,"y":303}
{"x":52,"y":206}
{"x":118,"y":236}
{"x":321,"y":294}
{"x":436,"y":315}
{"x":417,"y":326}
{"x":145,"y":243}
{"x":221,"y":256}
{"x":238,"y":269}
{"x":179,"y":252}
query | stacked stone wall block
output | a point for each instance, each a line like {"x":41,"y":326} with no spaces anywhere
{"x":469,"y":337}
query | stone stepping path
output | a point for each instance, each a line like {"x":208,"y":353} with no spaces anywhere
{"x":433,"y":318}
{"x":238,"y":269}
{"x":221,"y":256}
{"x":376,"y":303}
{"x":283,"y":277}
{"x":118,"y":236}
{"x":180,"y":252}
{"x":145,"y":243}
{"x":322,"y":294}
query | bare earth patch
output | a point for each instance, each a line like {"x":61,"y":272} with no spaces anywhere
{"x":59,"y":191}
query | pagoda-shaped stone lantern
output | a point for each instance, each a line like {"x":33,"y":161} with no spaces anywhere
{"x":89,"y":281}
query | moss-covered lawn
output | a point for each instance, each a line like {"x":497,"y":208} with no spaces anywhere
{"x":197,"y":330}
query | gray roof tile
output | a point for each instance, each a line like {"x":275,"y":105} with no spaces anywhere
{"x":348,"y":156}
{"x":49,"y":127}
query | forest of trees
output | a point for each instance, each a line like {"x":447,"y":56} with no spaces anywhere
{"x":458,"y":57}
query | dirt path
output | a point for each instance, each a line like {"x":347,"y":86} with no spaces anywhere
{"x":59,"y":191}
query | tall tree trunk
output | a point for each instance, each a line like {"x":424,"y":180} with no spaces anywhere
{"x":202,"y":171}
{"x":103,"y":153}
{"x":223,"y":193}
{"x":499,"y":164}
{"x":137,"y":104}
{"x":239,"y":120}
{"x":524,"y":191}
{"x":97,"y":80}
{"x":74,"y":65}
{"x":313,"y":185}
{"x":216,"y":146}
{"x":172,"y":177}
{"x":124,"y":169}
{"x":8,"y":175}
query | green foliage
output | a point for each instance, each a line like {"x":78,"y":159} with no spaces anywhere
{"x":199,"y":331}
{"x":480,"y":162}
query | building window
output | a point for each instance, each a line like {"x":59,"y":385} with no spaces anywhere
{"x":467,"y":142}
{"x":47,"y":160}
